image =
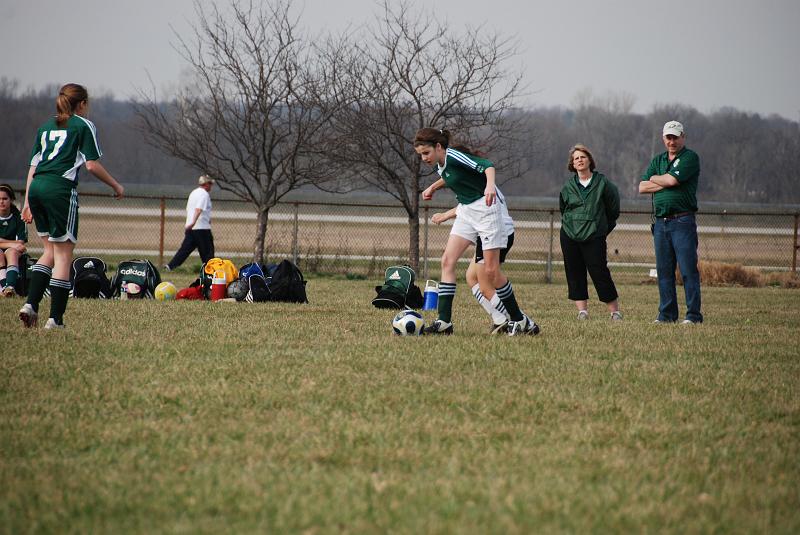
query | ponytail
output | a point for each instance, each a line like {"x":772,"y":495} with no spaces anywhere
{"x":463,"y":148}
{"x":69,"y":96}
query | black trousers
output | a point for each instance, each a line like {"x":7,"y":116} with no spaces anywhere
{"x":580,"y":257}
{"x":202,"y":240}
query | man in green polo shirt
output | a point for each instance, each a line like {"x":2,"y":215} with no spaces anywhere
{"x":672,"y":179}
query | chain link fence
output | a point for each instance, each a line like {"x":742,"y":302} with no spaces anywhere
{"x":365,"y":238}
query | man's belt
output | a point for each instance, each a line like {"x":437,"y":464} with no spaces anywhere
{"x":677,"y":215}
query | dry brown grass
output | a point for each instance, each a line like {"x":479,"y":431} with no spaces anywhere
{"x":722,"y":274}
{"x":784,"y":279}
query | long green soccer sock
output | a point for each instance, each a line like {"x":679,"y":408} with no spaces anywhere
{"x":506,"y":294}
{"x":447,"y":291}
{"x":40,"y":278}
{"x":59,"y":295}
{"x":12,"y":276}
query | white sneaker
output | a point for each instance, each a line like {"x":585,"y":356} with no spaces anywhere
{"x":689,"y":322}
{"x":51,"y":324}
{"x":28,"y":315}
{"x":616,"y":316}
{"x":583,"y":315}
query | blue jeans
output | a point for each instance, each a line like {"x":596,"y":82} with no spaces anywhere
{"x":676,"y":245}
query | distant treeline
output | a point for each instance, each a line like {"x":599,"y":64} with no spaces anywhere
{"x":744,"y":157}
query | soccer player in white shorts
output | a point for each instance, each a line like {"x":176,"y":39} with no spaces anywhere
{"x":478,"y":217}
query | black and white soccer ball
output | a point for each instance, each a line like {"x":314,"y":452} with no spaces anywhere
{"x":408,"y":323}
{"x":237,"y":289}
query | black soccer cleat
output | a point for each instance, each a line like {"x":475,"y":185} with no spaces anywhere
{"x":525,"y":326}
{"x":439,"y":327}
{"x":499,"y":328}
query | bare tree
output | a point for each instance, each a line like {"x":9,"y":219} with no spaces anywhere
{"x":409,"y":73}
{"x":256,"y":110}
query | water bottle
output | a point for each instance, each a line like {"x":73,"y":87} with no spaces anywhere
{"x":431,"y":295}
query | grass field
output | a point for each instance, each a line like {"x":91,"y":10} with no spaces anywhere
{"x":197,"y":417}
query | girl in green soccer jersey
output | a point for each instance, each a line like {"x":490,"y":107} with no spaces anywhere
{"x":478,"y":216}
{"x":13,"y":236}
{"x":63,"y":144}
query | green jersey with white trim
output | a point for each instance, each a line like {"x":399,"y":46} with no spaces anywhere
{"x":465,"y":174}
{"x":13,"y":228}
{"x":61,"y":151}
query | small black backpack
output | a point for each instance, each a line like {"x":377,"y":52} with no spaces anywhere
{"x":89,"y":279}
{"x":287,"y":284}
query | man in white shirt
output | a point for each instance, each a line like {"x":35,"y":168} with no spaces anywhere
{"x":198,"y":225}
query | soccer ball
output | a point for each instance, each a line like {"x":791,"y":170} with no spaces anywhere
{"x":237,"y":289}
{"x":165,"y":291}
{"x":408,"y":323}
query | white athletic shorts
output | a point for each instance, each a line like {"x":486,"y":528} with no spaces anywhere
{"x":478,"y":220}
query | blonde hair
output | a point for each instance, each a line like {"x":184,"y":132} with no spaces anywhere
{"x":583,"y":149}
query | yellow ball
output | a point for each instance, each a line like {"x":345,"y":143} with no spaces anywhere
{"x":166,"y":291}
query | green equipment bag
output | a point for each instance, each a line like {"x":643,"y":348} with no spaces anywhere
{"x":135,"y":279}
{"x":398,"y":290}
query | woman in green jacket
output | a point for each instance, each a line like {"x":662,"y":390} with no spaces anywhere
{"x":589,"y":205}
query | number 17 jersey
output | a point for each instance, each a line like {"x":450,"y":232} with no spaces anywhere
{"x":61,"y":151}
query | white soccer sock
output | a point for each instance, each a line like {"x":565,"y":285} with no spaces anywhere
{"x":498,"y":305}
{"x":2,"y":276}
{"x":497,"y":316}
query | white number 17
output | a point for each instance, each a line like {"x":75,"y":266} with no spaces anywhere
{"x":59,"y":136}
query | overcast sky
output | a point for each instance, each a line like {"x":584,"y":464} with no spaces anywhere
{"x":703,"y":53}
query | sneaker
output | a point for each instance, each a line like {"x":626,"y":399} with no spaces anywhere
{"x":616,"y":316}
{"x":166,"y":268}
{"x":51,"y":324}
{"x":28,"y":315}
{"x":526,"y":326}
{"x":438,"y":327}
{"x":689,"y":322}
{"x":500,"y":328}
{"x":583,"y":315}
{"x":9,"y":291}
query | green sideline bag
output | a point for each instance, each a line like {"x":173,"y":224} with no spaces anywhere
{"x":141,"y":275}
{"x":398,"y":290}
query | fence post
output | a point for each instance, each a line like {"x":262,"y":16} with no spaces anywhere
{"x":795,"y":246}
{"x":161,"y":236}
{"x":425,"y":246}
{"x":549,"y":271}
{"x":295,"y":232}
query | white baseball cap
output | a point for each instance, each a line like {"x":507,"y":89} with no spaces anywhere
{"x":205,"y":179}
{"x":674,"y":128}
